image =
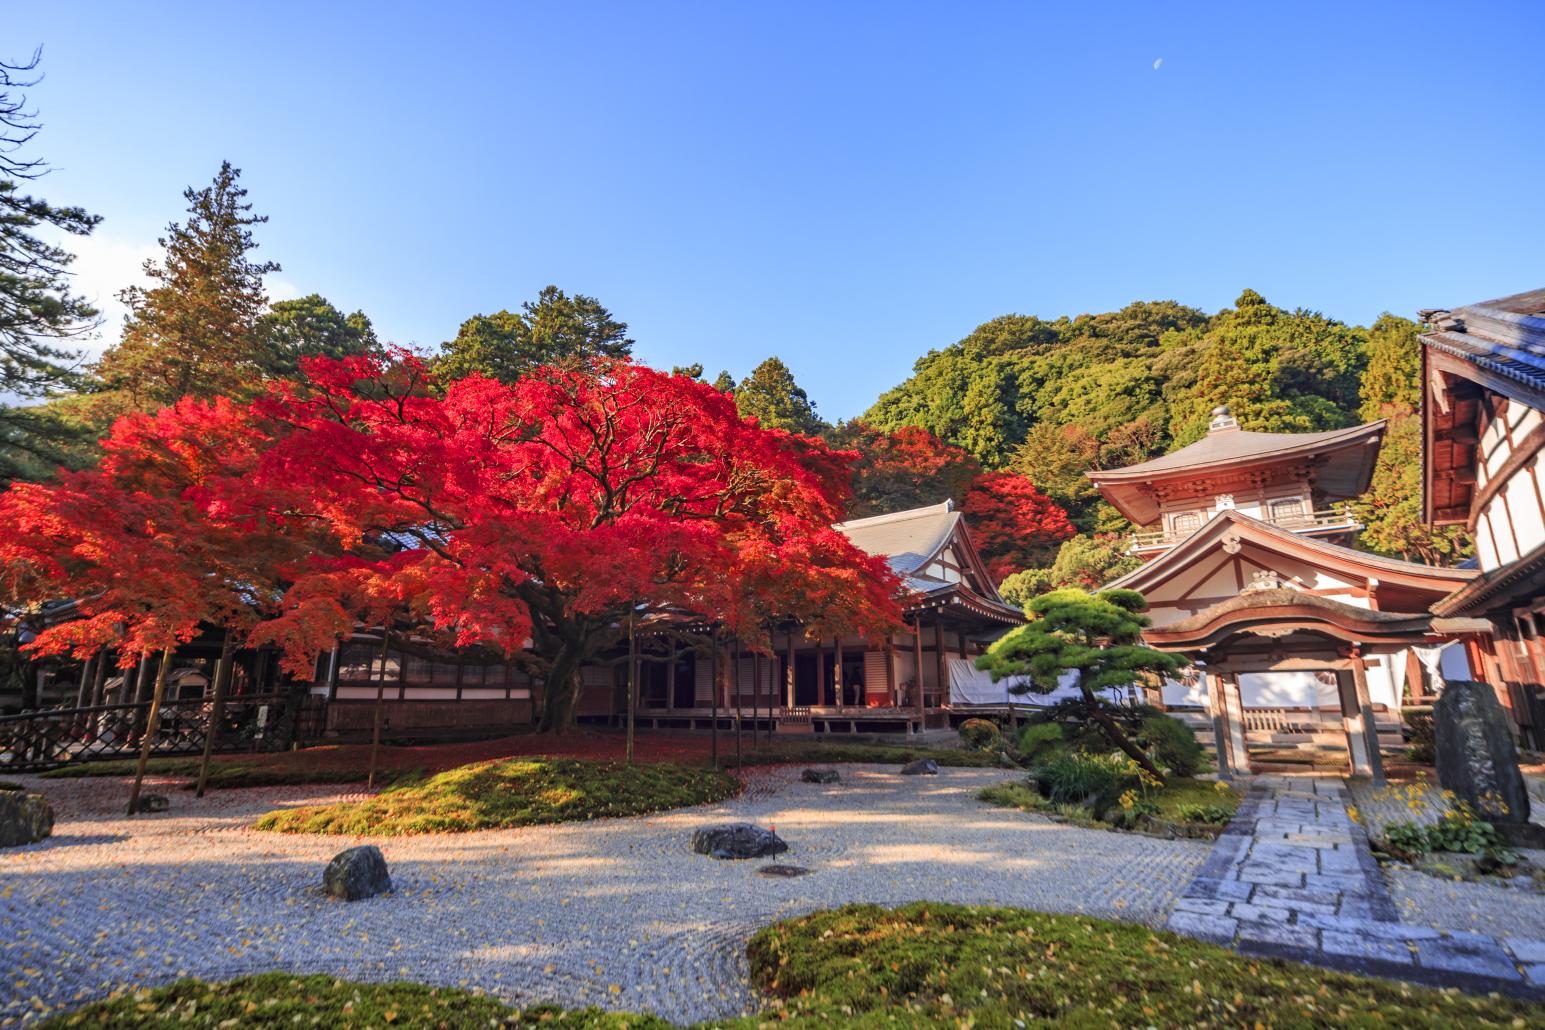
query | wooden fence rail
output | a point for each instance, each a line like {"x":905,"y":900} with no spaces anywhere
{"x":42,"y":740}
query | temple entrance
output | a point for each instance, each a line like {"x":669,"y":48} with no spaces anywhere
{"x":807,"y":679}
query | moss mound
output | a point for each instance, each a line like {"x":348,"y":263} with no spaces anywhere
{"x":510,"y":792}
{"x":924,"y":965}
{"x":282,"y":1000}
{"x":950,"y":965}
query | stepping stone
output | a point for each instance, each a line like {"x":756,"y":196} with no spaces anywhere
{"x":1482,"y":957}
{"x":1214,"y":929}
{"x":783,"y":870}
{"x":1354,"y":945}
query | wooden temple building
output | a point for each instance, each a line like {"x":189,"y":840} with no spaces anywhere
{"x":1483,"y":416}
{"x":1293,"y":635}
{"x":918,"y":679}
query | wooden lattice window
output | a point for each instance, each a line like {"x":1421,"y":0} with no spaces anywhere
{"x":1290,"y":509}
{"x":1185,"y":523}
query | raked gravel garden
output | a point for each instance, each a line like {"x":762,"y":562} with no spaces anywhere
{"x":617,"y":913}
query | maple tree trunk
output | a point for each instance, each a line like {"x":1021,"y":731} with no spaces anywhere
{"x":216,"y":714}
{"x":560,"y":693}
{"x":152,"y":727}
{"x":1118,"y":736}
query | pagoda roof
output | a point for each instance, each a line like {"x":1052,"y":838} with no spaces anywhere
{"x":1504,"y":337}
{"x":1428,"y":582}
{"x":1345,"y":459}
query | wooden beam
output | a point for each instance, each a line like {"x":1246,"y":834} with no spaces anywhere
{"x":938,"y":657}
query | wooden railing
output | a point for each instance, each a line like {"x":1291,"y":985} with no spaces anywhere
{"x":1330,"y":518}
{"x":795,"y":714}
{"x":41,"y":740}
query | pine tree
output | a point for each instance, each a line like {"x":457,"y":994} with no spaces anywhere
{"x":37,"y":310}
{"x":555,"y":329}
{"x":194,"y":330}
{"x":310,"y":327}
{"x":772,"y":397}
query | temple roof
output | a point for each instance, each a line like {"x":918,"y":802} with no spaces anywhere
{"x":909,"y":540}
{"x":1427,"y":583}
{"x":1277,"y":612}
{"x":906,"y":539}
{"x":1345,"y":460}
{"x":1505,"y":337}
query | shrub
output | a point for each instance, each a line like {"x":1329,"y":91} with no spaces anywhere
{"x":1420,"y":732}
{"x":1461,"y":831}
{"x":981,"y":734}
{"x":1039,"y":740}
{"x":1211,"y":814}
{"x":1172,"y":742}
{"x":1095,"y":781}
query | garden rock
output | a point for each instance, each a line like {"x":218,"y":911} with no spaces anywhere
{"x":357,"y":873}
{"x":820,"y":776}
{"x":154,"y":803}
{"x":25,"y":818}
{"x":737,"y":840}
{"x":1475,"y":755}
{"x":921,"y":767}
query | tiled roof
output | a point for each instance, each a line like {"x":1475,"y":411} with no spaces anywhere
{"x":1505,"y":336}
{"x":907,"y":539}
{"x":1239,"y":446}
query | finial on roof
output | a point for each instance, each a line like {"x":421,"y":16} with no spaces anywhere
{"x":1221,"y":419}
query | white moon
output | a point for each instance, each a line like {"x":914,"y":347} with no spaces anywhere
{"x":1157,"y":63}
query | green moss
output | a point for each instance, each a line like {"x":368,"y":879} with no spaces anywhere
{"x":280,"y":1000}
{"x":1177,"y":802}
{"x":922,"y":965}
{"x":947,"y":965}
{"x":510,"y":792}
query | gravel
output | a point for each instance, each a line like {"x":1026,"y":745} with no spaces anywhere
{"x":618,"y":913}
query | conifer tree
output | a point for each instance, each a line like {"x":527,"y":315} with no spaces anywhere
{"x":555,"y":329}
{"x":193,"y":331}
{"x":772,"y":397}
{"x":38,"y":312}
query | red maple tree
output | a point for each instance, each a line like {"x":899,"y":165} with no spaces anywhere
{"x":544,"y":512}
{"x":1014,"y":524}
{"x":906,"y":467}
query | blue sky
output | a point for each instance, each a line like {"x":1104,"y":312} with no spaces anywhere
{"x":843,"y":185}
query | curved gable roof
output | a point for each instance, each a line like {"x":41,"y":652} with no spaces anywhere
{"x":1343,"y":560}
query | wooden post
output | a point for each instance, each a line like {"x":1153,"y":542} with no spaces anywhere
{"x":88,"y":670}
{"x":93,"y":722}
{"x":890,"y":672}
{"x":837,"y":675}
{"x":632,"y":675}
{"x":917,"y":661}
{"x":713,"y":694}
{"x":375,"y":729}
{"x":152,"y":726}
{"x":1217,"y":705}
{"x":1235,"y":708}
{"x":217,"y":711}
{"x":788,"y":672}
{"x":939,"y":659}
{"x":735,"y":675}
{"x":1365,"y":711}
{"x":670,"y":678}
{"x":332,"y":675}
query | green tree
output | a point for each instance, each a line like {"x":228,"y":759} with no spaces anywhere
{"x":692,"y":371}
{"x":38,"y":313}
{"x":724,"y":382}
{"x":772,"y":397}
{"x":193,"y":331}
{"x":1095,"y":635}
{"x":1391,"y":510}
{"x":1084,"y":561}
{"x":555,"y":329}
{"x":310,"y":327}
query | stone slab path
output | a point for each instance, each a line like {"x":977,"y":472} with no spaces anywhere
{"x":1292,"y":877}
{"x":618,"y":913}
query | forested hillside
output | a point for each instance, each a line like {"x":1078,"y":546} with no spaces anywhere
{"x":1053,"y":399}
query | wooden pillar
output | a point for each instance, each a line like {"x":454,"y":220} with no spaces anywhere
{"x":837,"y":675}
{"x":890,"y":672}
{"x":940,"y":662}
{"x":332,"y":674}
{"x":788,"y":672}
{"x":88,"y":672}
{"x":1416,"y":689}
{"x":1235,"y":709}
{"x":1365,"y":711}
{"x":670,"y":678}
{"x":820,"y":674}
{"x":1352,"y":724}
{"x":1217,"y":706}
{"x":917,"y":661}
{"x":962,"y":635}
